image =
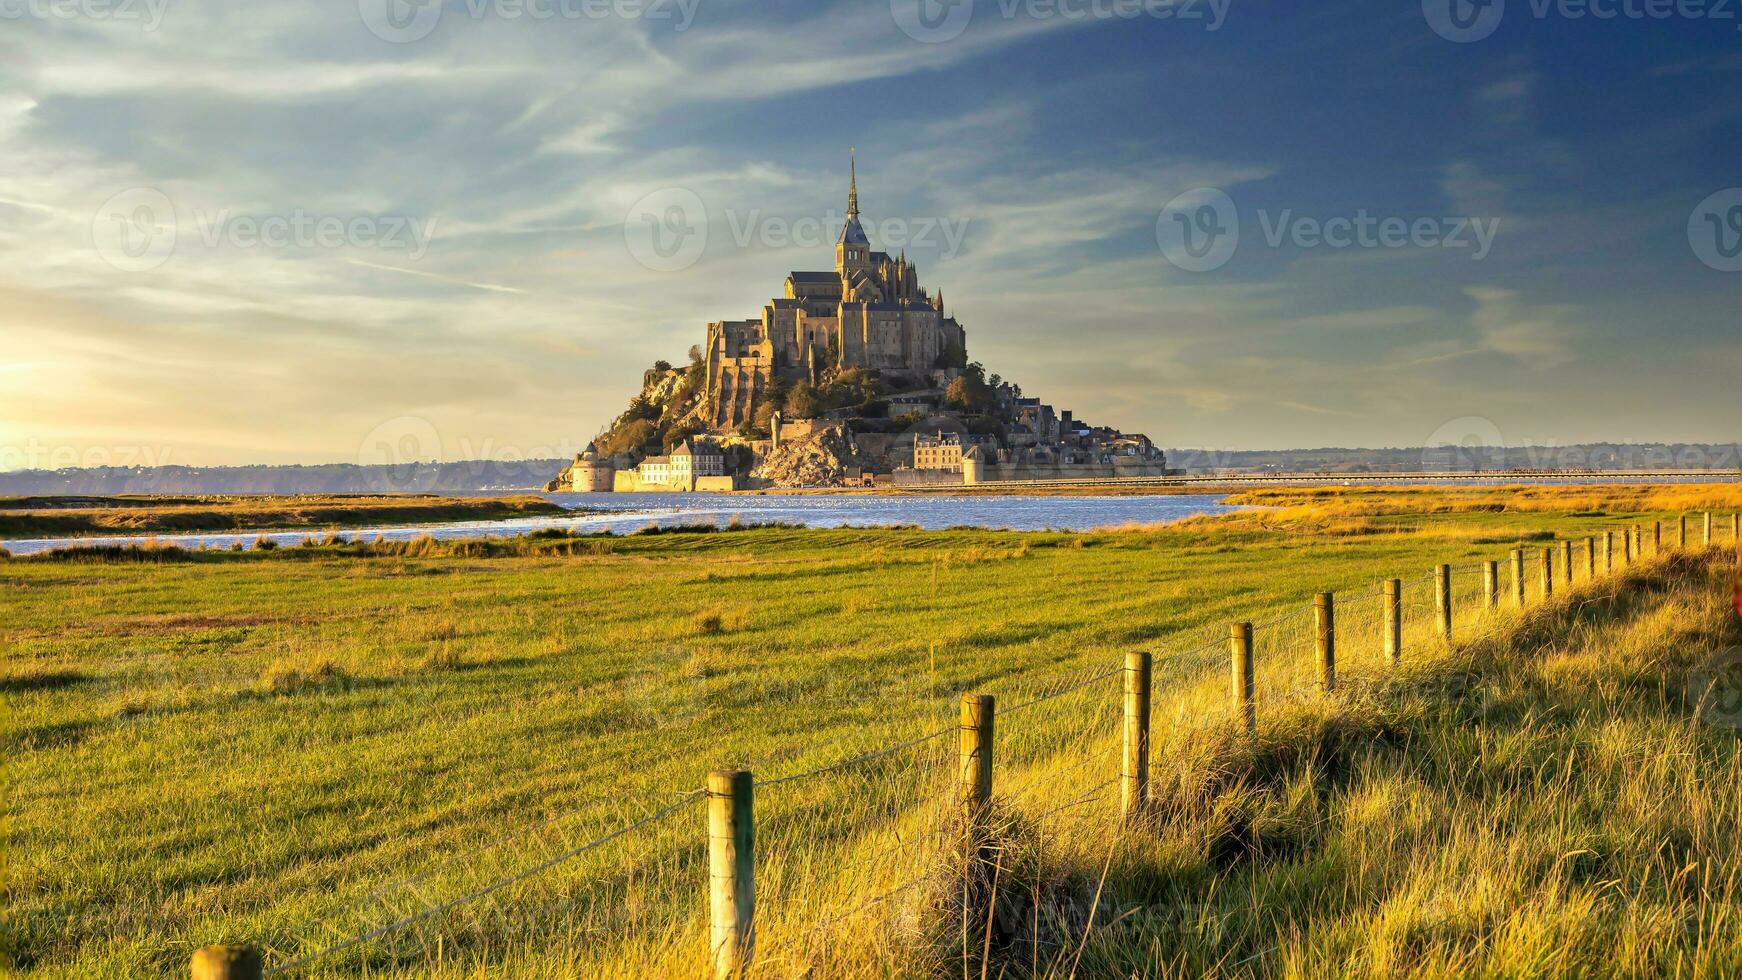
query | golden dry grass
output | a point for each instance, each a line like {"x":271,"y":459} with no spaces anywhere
{"x":283,"y":737}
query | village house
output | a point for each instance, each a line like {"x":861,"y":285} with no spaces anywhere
{"x":696,"y":458}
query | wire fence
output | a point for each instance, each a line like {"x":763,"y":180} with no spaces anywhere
{"x":624,"y":878}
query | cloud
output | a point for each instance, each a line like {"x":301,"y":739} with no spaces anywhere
{"x":526,"y":143}
{"x":1539,"y":335}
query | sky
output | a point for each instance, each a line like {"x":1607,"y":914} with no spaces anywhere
{"x":366,"y":230}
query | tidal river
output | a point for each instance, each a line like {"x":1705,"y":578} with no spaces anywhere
{"x":622,"y":513}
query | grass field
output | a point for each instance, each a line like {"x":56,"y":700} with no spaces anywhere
{"x":263,"y":746}
{"x":65,"y":517}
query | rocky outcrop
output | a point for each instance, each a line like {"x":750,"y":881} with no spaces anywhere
{"x":823,"y":460}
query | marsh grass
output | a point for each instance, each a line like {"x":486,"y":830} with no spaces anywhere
{"x":1415,"y":822}
{"x":50,"y":517}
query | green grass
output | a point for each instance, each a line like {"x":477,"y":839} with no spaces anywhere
{"x":22,"y":517}
{"x":244,"y":746}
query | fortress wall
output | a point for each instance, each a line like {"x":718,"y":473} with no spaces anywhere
{"x":595,"y":478}
{"x":976,"y":472}
{"x":923,"y":478}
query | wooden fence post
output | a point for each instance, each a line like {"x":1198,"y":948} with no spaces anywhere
{"x":1590,"y":558}
{"x":1490,"y":584}
{"x":1240,"y":644}
{"x":1443,"y":601}
{"x":1681,"y":535}
{"x":1608,"y":551}
{"x":1139,"y":668}
{"x":1628,"y":535}
{"x":732,"y":870}
{"x":1393,"y":606}
{"x":1325,"y":640}
{"x":1706,"y":531}
{"x":1567,"y":562}
{"x":1518,"y":577}
{"x":227,"y":963}
{"x":1657,"y":535}
{"x":978,"y":710}
{"x":1736,"y":530}
{"x":1547,"y":573}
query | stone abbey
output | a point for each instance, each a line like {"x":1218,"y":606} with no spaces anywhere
{"x":870,"y":312}
{"x":855,"y":377}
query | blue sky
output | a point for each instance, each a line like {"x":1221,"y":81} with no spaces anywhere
{"x":486,"y":175}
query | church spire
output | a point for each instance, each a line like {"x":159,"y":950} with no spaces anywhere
{"x":853,"y":183}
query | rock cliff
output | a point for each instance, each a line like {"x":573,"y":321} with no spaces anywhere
{"x":823,"y":460}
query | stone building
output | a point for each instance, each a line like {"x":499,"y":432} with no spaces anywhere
{"x":654,"y":471}
{"x":589,"y":474}
{"x":943,"y":451}
{"x":870,"y":312}
{"x":696,"y":458}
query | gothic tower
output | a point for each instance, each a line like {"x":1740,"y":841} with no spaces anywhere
{"x":853,"y":249}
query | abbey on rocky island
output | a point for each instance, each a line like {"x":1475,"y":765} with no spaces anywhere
{"x":870,"y":312}
{"x":855,"y":377}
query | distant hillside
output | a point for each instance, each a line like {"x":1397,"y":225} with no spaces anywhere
{"x":1595,"y":455}
{"x":532,"y":474}
{"x":466,"y":475}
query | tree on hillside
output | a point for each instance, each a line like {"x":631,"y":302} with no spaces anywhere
{"x":678,"y":433}
{"x":803,"y":402}
{"x":952,"y":356}
{"x":968,"y":394}
{"x":631,"y":438}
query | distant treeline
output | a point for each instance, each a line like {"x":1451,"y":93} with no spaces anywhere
{"x":463,"y":476}
{"x":532,"y":474}
{"x":1580,"y":456}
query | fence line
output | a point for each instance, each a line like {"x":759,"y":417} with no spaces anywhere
{"x":730,"y":793}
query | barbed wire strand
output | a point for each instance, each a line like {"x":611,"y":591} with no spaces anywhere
{"x":1062,"y":692}
{"x":1172,"y":658}
{"x":857,"y":760}
{"x":436,"y":864}
{"x":485,"y":890}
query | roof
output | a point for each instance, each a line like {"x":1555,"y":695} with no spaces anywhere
{"x":852,"y":233}
{"x":814,"y":276}
{"x":656,"y":459}
{"x":693,"y":447}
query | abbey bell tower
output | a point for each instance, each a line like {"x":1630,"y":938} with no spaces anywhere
{"x":853,"y":250}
